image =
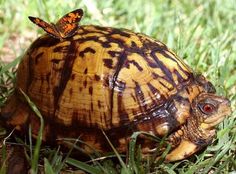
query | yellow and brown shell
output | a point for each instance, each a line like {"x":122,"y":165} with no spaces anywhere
{"x":102,"y":78}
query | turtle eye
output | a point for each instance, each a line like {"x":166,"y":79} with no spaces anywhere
{"x":207,"y":108}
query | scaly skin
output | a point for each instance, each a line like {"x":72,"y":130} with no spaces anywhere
{"x":199,"y":130}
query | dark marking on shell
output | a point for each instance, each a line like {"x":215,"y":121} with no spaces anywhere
{"x":106,"y":119}
{"x":155,"y":75}
{"x":172,"y":58}
{"x":133,"y":97}
{"x":119,"y":65}
{"x":117,"y":41}
{"x":61,"y":49}
{"x":153,"y":90}
{"x":114,"y":53}
{"x":164,"y":85}
{"x":37,"y":57}
{"x":48,"y":77}
{"x":108,"y":63}
{"x":127,"y":64}
{"x":86,"y":71}
{"x":138,"y":92}
{"x":97,"y":77}
{"x":91,"y":105}
{"x":73,"y":76}
{"x":42,"y":81}
{"x":151,"y":63}
{"x":164,"y":69}
{"x":106,"y":44}
{"x":133,"y":44}
{"x":179,"y":77}
{"x":65,"y":74}
{"x":99,"y":28}
{"x":91,"y":90}
{"x":87,"y":50}
{"x":140,"y":97}
{"x":123,"y":115}
{"x":58,"y":49}
{"x":44,"y":41}
{"x":187,"y":90}
{"x":99,"y":104}
{"x":120,"y":32}
{"x":56,"y":61}
{"x":85,"y":39}
{"x":150,"y":44}
{"x":71,"y":91}
{"x":85,"y":83}
{"x":105,"y":81}
{"x":109,"y":39}
{"x":154,"y":62}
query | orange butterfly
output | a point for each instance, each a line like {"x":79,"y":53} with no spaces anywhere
{"x":64,"y":28}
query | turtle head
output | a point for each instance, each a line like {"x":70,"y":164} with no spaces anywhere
{"x":207,"y":110}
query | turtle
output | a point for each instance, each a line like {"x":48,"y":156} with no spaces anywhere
{"x":100,"y":80}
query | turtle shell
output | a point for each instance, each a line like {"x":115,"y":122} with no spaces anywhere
{"x":101,"y":79}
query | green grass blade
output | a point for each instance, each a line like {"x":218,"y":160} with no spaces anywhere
{"x":10,"y":65}
{"x":47,"y":167}
{"x":84,"y":166}
{"x":3,"y":159}
{"x":124,"y":167}
{"x":34,"y":163}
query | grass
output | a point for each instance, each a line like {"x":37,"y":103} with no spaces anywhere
{"x":202,"y":32}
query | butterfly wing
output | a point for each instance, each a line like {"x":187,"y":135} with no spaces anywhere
{"x":68,"y":24}
{"x":49,"y":28}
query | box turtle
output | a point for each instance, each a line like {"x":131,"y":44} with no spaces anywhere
{"x":85,"y":79}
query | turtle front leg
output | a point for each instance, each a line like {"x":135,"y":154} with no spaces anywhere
{"x":188,"y":140}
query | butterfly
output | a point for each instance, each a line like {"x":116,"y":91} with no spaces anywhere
{"x":65,"y":26}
